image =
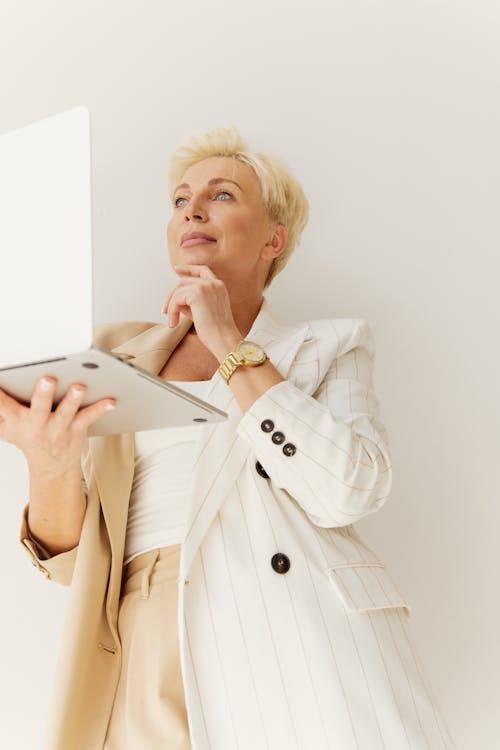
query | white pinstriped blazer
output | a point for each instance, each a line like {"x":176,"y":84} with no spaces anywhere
{"x":318,"y":657}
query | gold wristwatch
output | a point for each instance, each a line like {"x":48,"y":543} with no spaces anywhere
{"x":245,"y":353}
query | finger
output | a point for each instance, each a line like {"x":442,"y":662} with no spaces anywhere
{"x":69,"y":405}
{"x":92,"y":413}
{"x":192,"y":269}
{"x":185,"y":311}
{"x":177,"y":301}
{"x":165,"y":305}
{"x":41,"y":400}
{"x":182,"y":302}
{"x":167,"y":301}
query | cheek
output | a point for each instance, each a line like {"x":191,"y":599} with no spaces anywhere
{"x":240,"y":228}
{"x":248,"y":236}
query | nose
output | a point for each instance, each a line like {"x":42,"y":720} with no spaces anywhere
{"x":194,"y":210}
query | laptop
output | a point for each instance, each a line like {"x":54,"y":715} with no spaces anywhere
{"x":46,"y":312}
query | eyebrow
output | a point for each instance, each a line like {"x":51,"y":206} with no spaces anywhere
{"x":213,"y":181}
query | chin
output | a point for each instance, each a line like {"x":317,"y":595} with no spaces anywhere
{"x":198,"y":261}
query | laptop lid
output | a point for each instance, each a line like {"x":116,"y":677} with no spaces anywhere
{"x":45,"y":239}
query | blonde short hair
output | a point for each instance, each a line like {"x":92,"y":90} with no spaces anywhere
{"x":283,"y":196}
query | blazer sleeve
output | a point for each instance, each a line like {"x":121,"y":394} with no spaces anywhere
{"x":58,"y":568}
{"x":337,"y":464}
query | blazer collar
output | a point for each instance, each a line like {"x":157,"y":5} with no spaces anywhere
{"x":152,"y":348}
{"x":218,"y":446}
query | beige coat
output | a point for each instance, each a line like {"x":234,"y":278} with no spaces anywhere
{"x":316,"y":655}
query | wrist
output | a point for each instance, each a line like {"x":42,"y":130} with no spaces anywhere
{"x":57,"y":475}
{"x":227,"y":343}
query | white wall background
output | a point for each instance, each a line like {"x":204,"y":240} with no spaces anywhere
{"x":388,"y":112}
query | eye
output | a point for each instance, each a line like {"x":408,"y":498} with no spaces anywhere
{"x":220,"y":192}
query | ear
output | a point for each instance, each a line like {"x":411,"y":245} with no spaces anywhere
{"x":276,"y":244}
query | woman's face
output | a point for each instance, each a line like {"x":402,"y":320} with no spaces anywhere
{"x":221,"y":197}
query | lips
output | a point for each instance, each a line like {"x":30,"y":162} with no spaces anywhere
{"x":191,"y":238}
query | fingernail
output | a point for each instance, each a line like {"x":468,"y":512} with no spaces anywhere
{"x":108,"y":407}
{"x":45,"y":385}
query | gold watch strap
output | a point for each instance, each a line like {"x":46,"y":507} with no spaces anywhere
{"x":230,"y":363}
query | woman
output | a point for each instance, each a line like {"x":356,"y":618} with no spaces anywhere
{"x":221,"y":597}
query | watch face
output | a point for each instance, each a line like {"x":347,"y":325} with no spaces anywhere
{"x":251,"y":351}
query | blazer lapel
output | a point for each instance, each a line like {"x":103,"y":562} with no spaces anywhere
{"x":220,"y":452}
{"x":152,"y":348}
{"x":149,"y":350}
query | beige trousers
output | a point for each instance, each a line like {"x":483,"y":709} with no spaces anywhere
{"x":149,"y":711}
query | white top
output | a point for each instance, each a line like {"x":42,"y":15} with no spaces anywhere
{"x":163,"y":467}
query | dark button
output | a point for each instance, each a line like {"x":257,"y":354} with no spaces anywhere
{"x":280,"y":562}
{"x":261,"y":470}
{"x":267,"y":425}
{"x":289,"y":449}
{"x":278,"y":438}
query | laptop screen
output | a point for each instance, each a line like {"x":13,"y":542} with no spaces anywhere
{"x":45,"y":239}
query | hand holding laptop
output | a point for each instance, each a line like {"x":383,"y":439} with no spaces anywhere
{"x":52,"y":441}
{"x":46,"y":305}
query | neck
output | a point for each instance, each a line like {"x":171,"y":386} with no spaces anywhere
{"x":244,"y":313}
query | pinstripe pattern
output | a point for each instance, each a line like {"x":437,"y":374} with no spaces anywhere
{"x":311,"y":658}
{"x":320,"y":657}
